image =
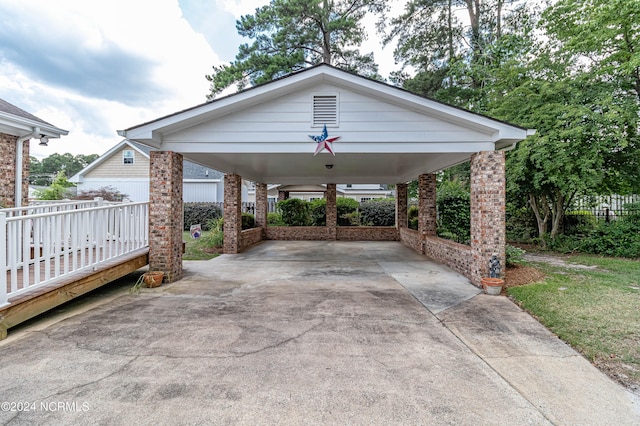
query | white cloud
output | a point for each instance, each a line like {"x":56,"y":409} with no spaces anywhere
{"x":241,"y":7}
{"x":144,"y":49}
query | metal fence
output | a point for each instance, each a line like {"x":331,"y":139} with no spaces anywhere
{"x":606,"y":207}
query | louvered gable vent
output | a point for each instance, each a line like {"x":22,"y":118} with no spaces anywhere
{"x":325,"y":110}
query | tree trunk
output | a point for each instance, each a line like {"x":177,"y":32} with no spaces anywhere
{"x":540,"y":219}
{"x":557,"y":212}
{"x":326,"y":37}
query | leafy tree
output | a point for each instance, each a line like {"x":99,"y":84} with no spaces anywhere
{"x":605,"y":33}
{"x":605,"y":36}
{"x":58,"y":190}
{"x":43,"y":172}
{"x":290,"y":35}
{"x":451,"y":53}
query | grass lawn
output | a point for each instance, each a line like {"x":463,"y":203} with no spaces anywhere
{"x":597,"y":311}
{"x":198,"y":249}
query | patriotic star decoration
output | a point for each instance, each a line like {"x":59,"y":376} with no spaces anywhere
{"x":324,"y":141}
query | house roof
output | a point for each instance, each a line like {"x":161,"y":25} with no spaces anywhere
{"x":17,"y":122}
{"x":387,"y":134}
{"x":190,"y":170}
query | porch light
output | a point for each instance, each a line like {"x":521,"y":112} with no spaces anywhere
{"x":44,"y":140}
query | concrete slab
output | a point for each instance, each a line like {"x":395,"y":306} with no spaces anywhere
{"x":434,"y":285}
{"x":286,"y":333}
{"x":547,"y":372}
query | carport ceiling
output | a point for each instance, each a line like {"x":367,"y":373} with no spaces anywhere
{"x":386,"y":134}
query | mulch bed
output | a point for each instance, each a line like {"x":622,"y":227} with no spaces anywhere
{"x":522,"y":275}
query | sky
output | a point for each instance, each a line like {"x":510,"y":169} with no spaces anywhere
{"x":93,"y":67}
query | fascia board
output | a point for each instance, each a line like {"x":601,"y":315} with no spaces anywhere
{"x":24,"y":126}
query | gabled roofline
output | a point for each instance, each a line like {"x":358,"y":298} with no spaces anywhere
{"x":325,"y":71}
{"x":78,"y":176}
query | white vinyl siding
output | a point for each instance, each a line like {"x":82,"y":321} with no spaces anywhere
{"x":287,"y":120}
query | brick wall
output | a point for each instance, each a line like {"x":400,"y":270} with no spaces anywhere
{"x":455,"y":256}
{"x":7,"y":171}
{"x":297,"y":233}
{"x":249,"y":237}
{"x":166,"y":214}
{"x":367,"y":233}
{"x":487,"y":212}
{"x":411,"y":238}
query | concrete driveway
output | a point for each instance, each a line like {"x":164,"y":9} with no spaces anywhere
{"x":302,"y":333}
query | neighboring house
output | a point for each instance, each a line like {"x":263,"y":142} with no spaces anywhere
{"x":359,"y":192}
{"x":125,"y":167}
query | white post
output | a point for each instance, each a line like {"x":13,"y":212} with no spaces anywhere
{"x":4,"y":298}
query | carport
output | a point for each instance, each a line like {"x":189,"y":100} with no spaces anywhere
{"x":327,"y":126}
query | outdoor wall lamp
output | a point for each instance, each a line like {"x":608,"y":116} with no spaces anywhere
{"x":44,"y":140}
{"x":329,"y":166}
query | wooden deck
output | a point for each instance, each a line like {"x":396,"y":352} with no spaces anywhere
{"x":43,"y":298}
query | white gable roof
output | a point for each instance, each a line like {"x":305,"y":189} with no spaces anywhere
{"x":387,"y":135}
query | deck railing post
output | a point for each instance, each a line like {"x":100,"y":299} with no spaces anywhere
{"x":4,"y":298}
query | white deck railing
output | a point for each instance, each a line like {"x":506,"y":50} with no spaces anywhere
{"x":43,"y":247}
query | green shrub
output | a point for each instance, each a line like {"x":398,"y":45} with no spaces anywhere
{"x":454,"y":212}
{"x":215,"y":238}
{"x":202,"y":213}
{"x":248,"y":221}
{"x":514,"y":255}
{"x":319,"y":212}
{"x":619,"y":238}
{"x":579,"y":222}
{"x":378,"y":212}
{"x":274,"y":219}
{"x":412,"y":216}
{"x":346,"y":207}
{"x":294,"y":212}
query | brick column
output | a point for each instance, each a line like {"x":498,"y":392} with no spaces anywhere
{"x":488,"y":232}
{"x":427,"y":205}
{"x":166,"y":217}
{"x":8,"y":153}
{"x":232,"y":213}
{"x":331,"y":212}
{"x":261,"y":207}
{"x":402,"y":204}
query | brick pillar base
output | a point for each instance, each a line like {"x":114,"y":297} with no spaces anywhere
{"x":331,"y":212}
{"x":402,"y":205}
{"x":488,"y":233}
{"x":261,"y":207}
{"x":166,"y":219}
{"x":8,"y":153}
{"x":232,"y":213}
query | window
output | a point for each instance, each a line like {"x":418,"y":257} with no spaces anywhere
{"x":128,"y":156}
{"x":325,"y":110}
{"x":363,"y":199}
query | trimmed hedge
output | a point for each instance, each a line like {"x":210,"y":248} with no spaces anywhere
{"x":378,"y":212}
{"x":201,"y":213}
